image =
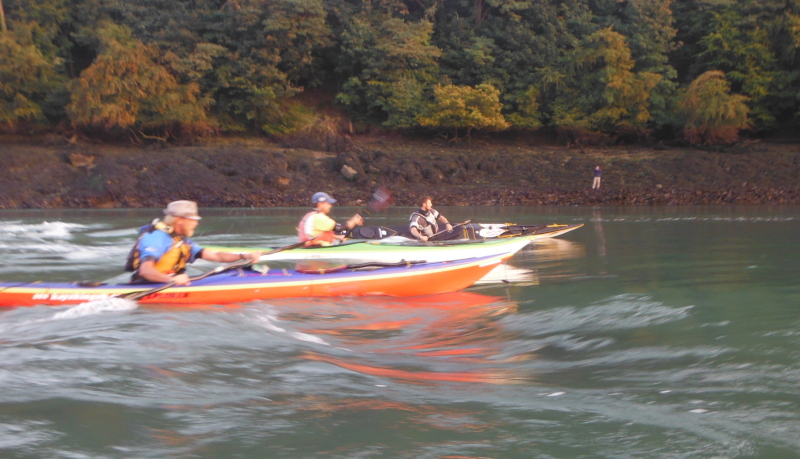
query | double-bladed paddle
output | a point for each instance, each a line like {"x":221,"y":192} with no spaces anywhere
{"x":381,"y":199}
{"x":138,"y":295}
{"x":454,"y":227}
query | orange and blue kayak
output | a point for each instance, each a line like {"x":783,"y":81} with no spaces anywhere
{"x":243,"y":285}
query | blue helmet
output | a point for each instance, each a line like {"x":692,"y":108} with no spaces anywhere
{"x":322,"y":197}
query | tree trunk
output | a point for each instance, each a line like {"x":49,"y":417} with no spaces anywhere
{"x":2,"y":19}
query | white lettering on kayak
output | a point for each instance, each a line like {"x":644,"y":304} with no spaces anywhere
{"x":71,"y":296}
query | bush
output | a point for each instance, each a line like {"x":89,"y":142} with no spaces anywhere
{"x":713,"y":114}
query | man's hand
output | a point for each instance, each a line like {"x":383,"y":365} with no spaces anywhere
{"x":253,"y":256}
{"x":355,"y":220}
{"x":423,"y":238}
{"x":181,"y":279}
{"x":449,"y":227}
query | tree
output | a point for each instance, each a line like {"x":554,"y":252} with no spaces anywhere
{"x":387,"y":63}
{"x":3,"y":27}
{"x":713,"y":114}
{"x":743,"y":53}
{"x":607,"y":95}
{"x":26,"y":78}
{"x":464,"y":107}
{"x":508,"y":46}
{"x":126,"y":87}
{"x":296,"y":30}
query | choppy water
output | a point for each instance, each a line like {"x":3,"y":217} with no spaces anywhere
{"x":649,"y":332}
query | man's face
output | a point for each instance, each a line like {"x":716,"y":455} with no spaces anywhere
{"x":324,"y":207}
{"x":427,"y":205}
{"x":185,"y":226}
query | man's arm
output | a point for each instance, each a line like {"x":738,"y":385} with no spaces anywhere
{"x":448,"y":226}
{"x":148,"y":271}
{"x":415,"y":232}
{"x":229,"y":257}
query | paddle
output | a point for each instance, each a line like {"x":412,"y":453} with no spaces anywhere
{"x":381,"y":199}
{"x":454,"y":227}
{"x":138,"y":295}
{"x":376,"y":264}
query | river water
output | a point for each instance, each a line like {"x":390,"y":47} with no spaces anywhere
{"x":649,"y":332}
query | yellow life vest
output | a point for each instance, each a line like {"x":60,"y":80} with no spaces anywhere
{"x":172,"y":262}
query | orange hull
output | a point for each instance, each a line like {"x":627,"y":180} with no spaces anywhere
{"x":244,"y":286}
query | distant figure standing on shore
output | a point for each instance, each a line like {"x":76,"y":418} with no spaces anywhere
{"x":596,"y":181}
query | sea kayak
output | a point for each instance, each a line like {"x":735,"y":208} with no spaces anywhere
{"x":467,"y":231}
{"x":392,"y":252}
{"x":244,"y":285}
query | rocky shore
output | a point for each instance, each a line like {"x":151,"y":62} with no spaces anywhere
{"x":61,"y":173}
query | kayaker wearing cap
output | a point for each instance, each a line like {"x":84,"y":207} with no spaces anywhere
{"x":164,"y":249}
{"x":317,"y":228}
{"x":423,"y":221}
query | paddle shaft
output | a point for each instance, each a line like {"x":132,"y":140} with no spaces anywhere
{"x":371,"y":264}
{"x":141,"y":294}
{"x":454,"y":227}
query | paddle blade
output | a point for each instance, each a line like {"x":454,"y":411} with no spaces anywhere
{"x":381,"y":199}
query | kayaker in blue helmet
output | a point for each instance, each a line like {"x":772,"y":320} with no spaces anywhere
{"x":164,"y":249}
{"x":424,"y":220}
{"x":318,"y":228}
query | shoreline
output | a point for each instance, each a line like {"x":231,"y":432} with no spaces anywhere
{"x":254,"y":172}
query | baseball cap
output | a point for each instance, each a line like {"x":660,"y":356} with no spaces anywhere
{"x":322,"y":197}
{"x":185,"y":209}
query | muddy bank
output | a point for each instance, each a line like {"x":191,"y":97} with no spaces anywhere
{"x":254,"y":172}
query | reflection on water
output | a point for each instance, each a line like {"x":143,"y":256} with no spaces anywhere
{"x":454,"y":337}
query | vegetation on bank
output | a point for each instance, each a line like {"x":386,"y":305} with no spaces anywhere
{"x":593,"y":71}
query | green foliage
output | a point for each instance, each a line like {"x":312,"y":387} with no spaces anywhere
{"x":127,"y":87}
{"x":527,"y":115}
{"x":743,"y":54}
{"x":26,"y":78}
{"x":386,"y":62}
{"x":713,"y":114}
{"x":605,"y":93}
{"x":464,"y":107}
{"x":297,"y":29}
{"x":585,"y":66}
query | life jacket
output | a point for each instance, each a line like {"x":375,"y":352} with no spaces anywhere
{"x":327,"y":236}
{"x":172,"y":262}
{"x":428,"y":221}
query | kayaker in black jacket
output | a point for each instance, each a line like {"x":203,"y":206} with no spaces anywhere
{"x":424,"y":220}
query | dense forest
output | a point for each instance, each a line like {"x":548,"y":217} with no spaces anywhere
{"x":701,"y":71}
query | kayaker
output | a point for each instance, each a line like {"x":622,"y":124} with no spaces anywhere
{"x":164,"y":249}
{"x":424,"y":220}
{"x":318,"y":228}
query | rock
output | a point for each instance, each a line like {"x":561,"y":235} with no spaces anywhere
{"x":80,"y":160}
{"x":283,"y":182}
{"x":348,"y":172}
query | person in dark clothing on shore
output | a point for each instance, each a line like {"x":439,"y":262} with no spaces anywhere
{"x":596,"y":181}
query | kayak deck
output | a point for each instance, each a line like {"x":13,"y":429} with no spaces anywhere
{"x":468,"y":231}
{"x":378,"y":250}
